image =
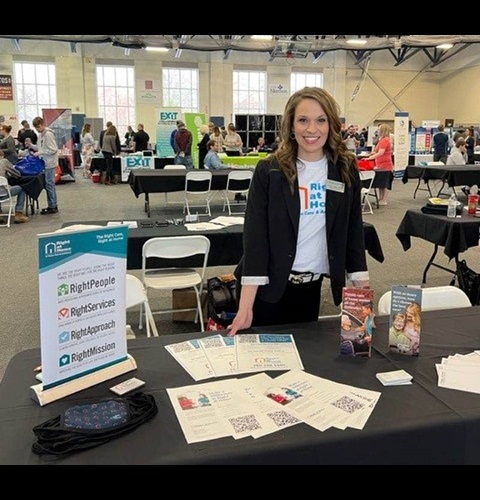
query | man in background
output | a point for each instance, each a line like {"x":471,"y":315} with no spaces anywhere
{"x":26,"y":133}
{"x":141,"y":140}
{"x":183,"y":147}
{"x":442,"y":145}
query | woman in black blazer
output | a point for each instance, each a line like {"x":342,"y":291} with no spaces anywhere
{"x":303,"y":221}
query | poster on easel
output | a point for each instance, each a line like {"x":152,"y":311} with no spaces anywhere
{"x":82,"y":303}
{"x":402,"y":141}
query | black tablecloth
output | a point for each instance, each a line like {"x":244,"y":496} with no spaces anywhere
{"x":455,"y":235}
{"x":419,"y":424}
{"x":226,"y":244}
{"x":383,"y":180}
{"x":99,"y":165}
{"x":33,"y":186}
{"x":454,"y":176}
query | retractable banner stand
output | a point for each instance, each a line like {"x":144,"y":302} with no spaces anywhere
{"x":82,"y":311}
{"x":61,"y":123}
{"x":402,"y":141}
{"x":130,"y":163}
{"x":167,"y":123}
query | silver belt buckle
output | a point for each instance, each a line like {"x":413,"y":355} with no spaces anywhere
{"x":297,"y":279}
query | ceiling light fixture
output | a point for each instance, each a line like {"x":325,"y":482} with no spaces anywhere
{"x":262,"y":38}
{"x":445,"y":46}
{"x":357,"y":41}
{"x":157,"y":49}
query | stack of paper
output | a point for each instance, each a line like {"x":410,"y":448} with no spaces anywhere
{"x":259,"y":406}
{"x":216,"y":357}
{"x":395,"y":379}
{"x":460,"y":373}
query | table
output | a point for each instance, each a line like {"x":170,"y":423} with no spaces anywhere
{"x":98,"y":164}
{"x":455,"y":235}
{"x":462,"y":175}
{"x":226,"y":244}
{"x":419,"y":424}
{"x":33,"y":187}
{"x":146,"y":182}
{"x":226,"y":249}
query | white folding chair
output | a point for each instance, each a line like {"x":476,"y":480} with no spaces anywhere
{"x":7,"y":200}
{"x":137,"y":296}
{"x":238,"y":183}
{"x":434,"y":299}
{"x":170,"y":279}
{"x":367,"y":179}
{"x":198,"y":185}
{"x":173,"y":167}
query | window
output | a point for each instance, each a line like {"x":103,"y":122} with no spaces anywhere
{"x":302,"y":80}
{"x":249,"y":92}
{"x":116,"y":96}
{"x":181,"y":89}
{"x":35,"y":88}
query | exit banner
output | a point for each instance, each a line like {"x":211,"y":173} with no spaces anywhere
{"x":130,"y":163}
{"x":82,"y":303}
{"x":167,"y":123}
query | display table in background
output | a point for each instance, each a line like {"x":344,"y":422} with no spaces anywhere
{"x":456,"y":236}
{"x":414,"y":425}
{"x":249,"y":161}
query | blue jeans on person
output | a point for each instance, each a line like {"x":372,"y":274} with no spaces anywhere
{"x":21,"y":197}
{"x":51,"y":188}
{"x":186,"y":160}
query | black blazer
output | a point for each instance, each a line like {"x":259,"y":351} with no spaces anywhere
{"x":272,"y":225}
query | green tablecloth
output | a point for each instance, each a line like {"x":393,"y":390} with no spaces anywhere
{"x":242,"y":161}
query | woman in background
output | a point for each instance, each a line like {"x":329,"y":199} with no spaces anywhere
{"x":88,"y":149}
{"x":383,"y":157}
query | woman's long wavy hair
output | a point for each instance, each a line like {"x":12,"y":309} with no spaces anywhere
{"x":335,"y":149}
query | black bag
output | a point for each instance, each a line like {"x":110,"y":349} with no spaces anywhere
{"x":222,"y":302}
{"x":469,"y":282}
{"x":88,"y":426}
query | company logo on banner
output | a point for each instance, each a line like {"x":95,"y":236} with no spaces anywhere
{"x":82,"y":303}
{"x":402,"y":141}
{"x":167,"y":123}
{"x":130,"y":163}
{"x":6,"y":88}
{"x":279,"y":90}
{"x":149,"y":91}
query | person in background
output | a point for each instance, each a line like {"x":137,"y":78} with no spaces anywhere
{"x":262,"y":145}
{"x":203,"y":146}
{"x":88,"y":149}
{"x":383,"y":156}
{"x":217,"y":136}
{"x":7,"y":144}
{"x":174,"y":134}
{"x":20,"y":217}
{"x":47,"y":148}
{"x":26,"y":133}
{"x":274,"y":147}
{"x":441,"y":145}
{"x":212,"y":160}
{"x":224,"y":131}
{"x":303,"y":221}
{"x":129,"y":136}
{"x":351,"y":140}
{"x":183,"y":147}
{"x":458,"y":155}
{"x":211,"y":128}
{"x":109,"y":150}
{"x":233,"y":142}
{"x":102,"y":135}
{"x":141,"y":140}
{"x":471,"y":143}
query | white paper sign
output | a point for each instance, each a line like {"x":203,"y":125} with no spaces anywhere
{"x":82,"y":303}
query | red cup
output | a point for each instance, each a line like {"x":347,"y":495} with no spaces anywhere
{"x":473,"y":201}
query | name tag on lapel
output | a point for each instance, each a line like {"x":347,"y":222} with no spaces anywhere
{"x":336,"y":187}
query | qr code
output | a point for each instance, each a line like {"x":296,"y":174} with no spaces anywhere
{"x":283,"y":419}
{"x":213,"y":343}
{"x":180,"y":348}
{"x":247,"y":339}
{"x":245,"y":425}
{"x":348,"y":405}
